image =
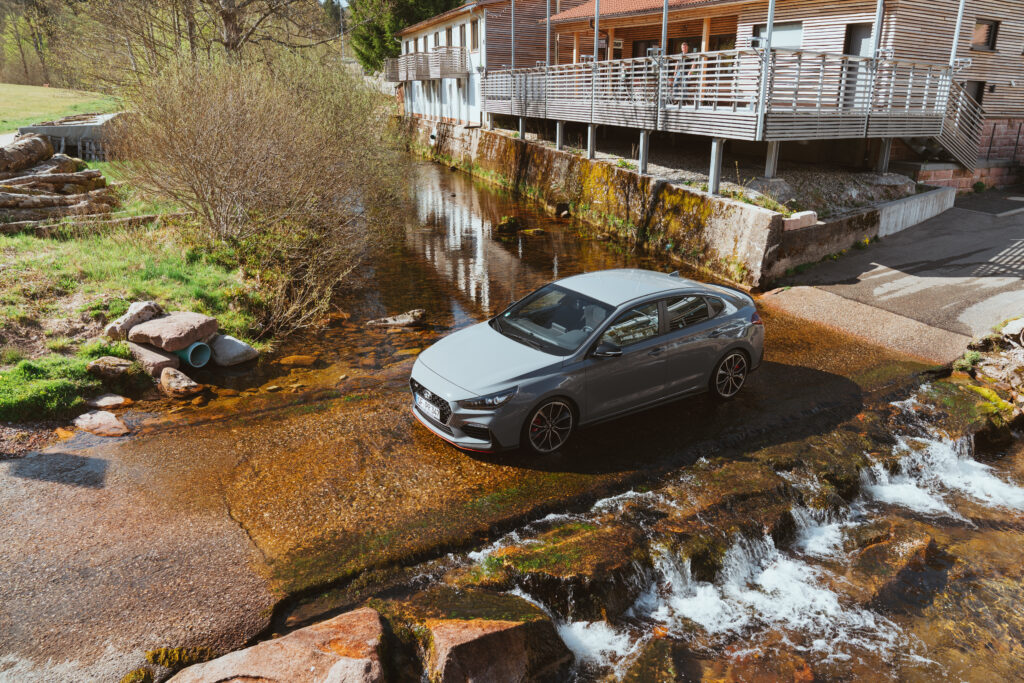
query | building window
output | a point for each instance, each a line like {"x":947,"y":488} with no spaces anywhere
{"x":437,"y":38}
{"x":785,"y":36}
{"x":984,"y":36}
{"x":462,"y":35}
{"x":448,"y":36}
{"x":975,"y":89}
{"x":474,"y":34}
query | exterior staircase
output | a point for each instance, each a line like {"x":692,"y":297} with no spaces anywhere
{"x":962,"y":126}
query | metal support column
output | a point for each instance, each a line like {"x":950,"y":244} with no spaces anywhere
{"x":591,"y":129}
{"x":559,"y":135}
{"x":956,"y":32}
{"x":876,"y":28}
{"x":771,"y":164}
{"x":715,"y":173}
{"x":591,"y":140}
{"x":522,"y":128}
{"x":547,"y":34}
{"x":766,"y":62}
{"x":659,"y":124}
{"x":882,"y":164}
{"x":512,"y":34}
{"x":645,"y":149}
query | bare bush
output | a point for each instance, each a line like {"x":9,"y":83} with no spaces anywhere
{"x":295,"y":172}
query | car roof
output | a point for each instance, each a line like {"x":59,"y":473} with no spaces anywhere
{"x":619,"y":285}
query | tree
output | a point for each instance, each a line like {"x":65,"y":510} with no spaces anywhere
{"x":376,"y":23}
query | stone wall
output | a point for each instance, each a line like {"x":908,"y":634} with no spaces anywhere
{"x":724,"y":237}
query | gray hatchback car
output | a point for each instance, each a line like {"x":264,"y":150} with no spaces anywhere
{"x":582,"y":350}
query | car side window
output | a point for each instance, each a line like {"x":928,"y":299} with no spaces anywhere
{"x":717,"y":306}
{"x":686,"y":310}
{"x":634,"y":326}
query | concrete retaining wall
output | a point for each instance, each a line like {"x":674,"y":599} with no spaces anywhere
{"x":813,"y":243}
{"x":721,"y":236}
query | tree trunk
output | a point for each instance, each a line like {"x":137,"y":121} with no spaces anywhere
{"x":24,"y":152}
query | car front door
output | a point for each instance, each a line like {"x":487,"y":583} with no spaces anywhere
{"x":692,"y":341}
{"x":635,"y":378}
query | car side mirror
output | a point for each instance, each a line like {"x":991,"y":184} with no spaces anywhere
{"x":607,"y":350}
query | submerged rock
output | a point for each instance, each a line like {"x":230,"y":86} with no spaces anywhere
{"x":109,"y":368}
{"x":581,"y":570}
{"x":662,"y":660}
{"x":138,"y":312}
{"x":153,"y":360}
{"x":101,"y":423}
{"x":228,"y":351}
{"x":175,"y":331}
{"x":345,"y":649}
{"x":407,"y":319}
{"x":300,"y":361}
{"x":177,"y":384}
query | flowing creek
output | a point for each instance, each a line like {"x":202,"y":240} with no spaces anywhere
{"x":833,"y":522}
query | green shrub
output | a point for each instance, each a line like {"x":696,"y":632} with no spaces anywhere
{"x":60,"y":345}
{"x":967,"y":362}
{"x":10,"y":356}
{"x":979,"y":186}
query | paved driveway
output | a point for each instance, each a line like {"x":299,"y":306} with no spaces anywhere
{"x":959,"y":273}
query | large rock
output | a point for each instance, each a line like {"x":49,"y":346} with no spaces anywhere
{"x":175,"y":331}
{"x":177,"y":384}
{"x":496,"y":651}
{"x":109,"y":367}
{"x":229,"y":351}
{"x":153,"y":360}
{"x":345,"y":649}
{"x":479,"y":635}
{"x":101,"y":423}
{"x":138,"y":312}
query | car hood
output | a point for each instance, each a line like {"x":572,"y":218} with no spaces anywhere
{"x":480,"y":359}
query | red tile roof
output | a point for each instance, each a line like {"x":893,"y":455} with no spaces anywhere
{"x":623,"y":8}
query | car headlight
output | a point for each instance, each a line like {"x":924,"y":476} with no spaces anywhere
{"x":491,"y":401}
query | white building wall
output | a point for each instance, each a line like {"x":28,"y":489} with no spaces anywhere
{"x":454,"y":99}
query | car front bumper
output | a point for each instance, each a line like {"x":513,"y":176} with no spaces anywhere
{"x":469,"y":429}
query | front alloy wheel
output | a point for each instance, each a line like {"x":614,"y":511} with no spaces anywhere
{"x":729,"y":375}
{"x":549,"y":426}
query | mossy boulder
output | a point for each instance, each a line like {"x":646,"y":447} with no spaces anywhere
{"x":964,"y":407}
{"x":454,"y":634}
{"x":719,"y":501}
{"x":582,"y":570}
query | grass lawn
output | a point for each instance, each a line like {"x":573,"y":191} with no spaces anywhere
{"x":133,"y":201}
{"x":98,"y":275}
{"x":23,"y":105}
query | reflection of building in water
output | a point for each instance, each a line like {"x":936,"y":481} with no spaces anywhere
{"x":455,"y":236}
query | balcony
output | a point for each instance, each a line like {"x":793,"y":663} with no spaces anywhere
{"x":449,"y":62}
{"x":807,"y":95}
{"x":392,"y":70}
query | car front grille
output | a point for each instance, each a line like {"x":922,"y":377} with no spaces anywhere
{"x":446,"y":410}
{"x":477,"y":432}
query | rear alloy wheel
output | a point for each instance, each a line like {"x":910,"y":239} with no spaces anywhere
{"x":729,"y":375}
{"x":549,"y":427}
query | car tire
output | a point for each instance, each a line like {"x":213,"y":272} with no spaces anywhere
{"x":729,"y":375}
{"x":549,"y":426}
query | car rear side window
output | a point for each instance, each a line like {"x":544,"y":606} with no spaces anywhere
{"x":687,"y":310}
{"x":717,"y":306}
{"x":634,"y":326}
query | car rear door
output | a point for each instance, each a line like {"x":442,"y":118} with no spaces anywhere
{"x":693,"y":340}
{"x":622,"y":383}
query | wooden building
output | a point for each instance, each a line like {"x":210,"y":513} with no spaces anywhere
{"x":923,"y":77}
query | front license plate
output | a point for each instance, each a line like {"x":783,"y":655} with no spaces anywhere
{"x":429,"y":408}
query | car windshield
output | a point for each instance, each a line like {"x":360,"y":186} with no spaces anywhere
{"x":552,"y":319}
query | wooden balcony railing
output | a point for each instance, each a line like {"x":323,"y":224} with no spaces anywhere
{"x":809,"y":95}
{"x":443,"y":62}
{"x":449,"y":62}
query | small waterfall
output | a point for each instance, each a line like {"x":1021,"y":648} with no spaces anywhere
{"x":761,"y":588}
{"x":934,"y":469}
